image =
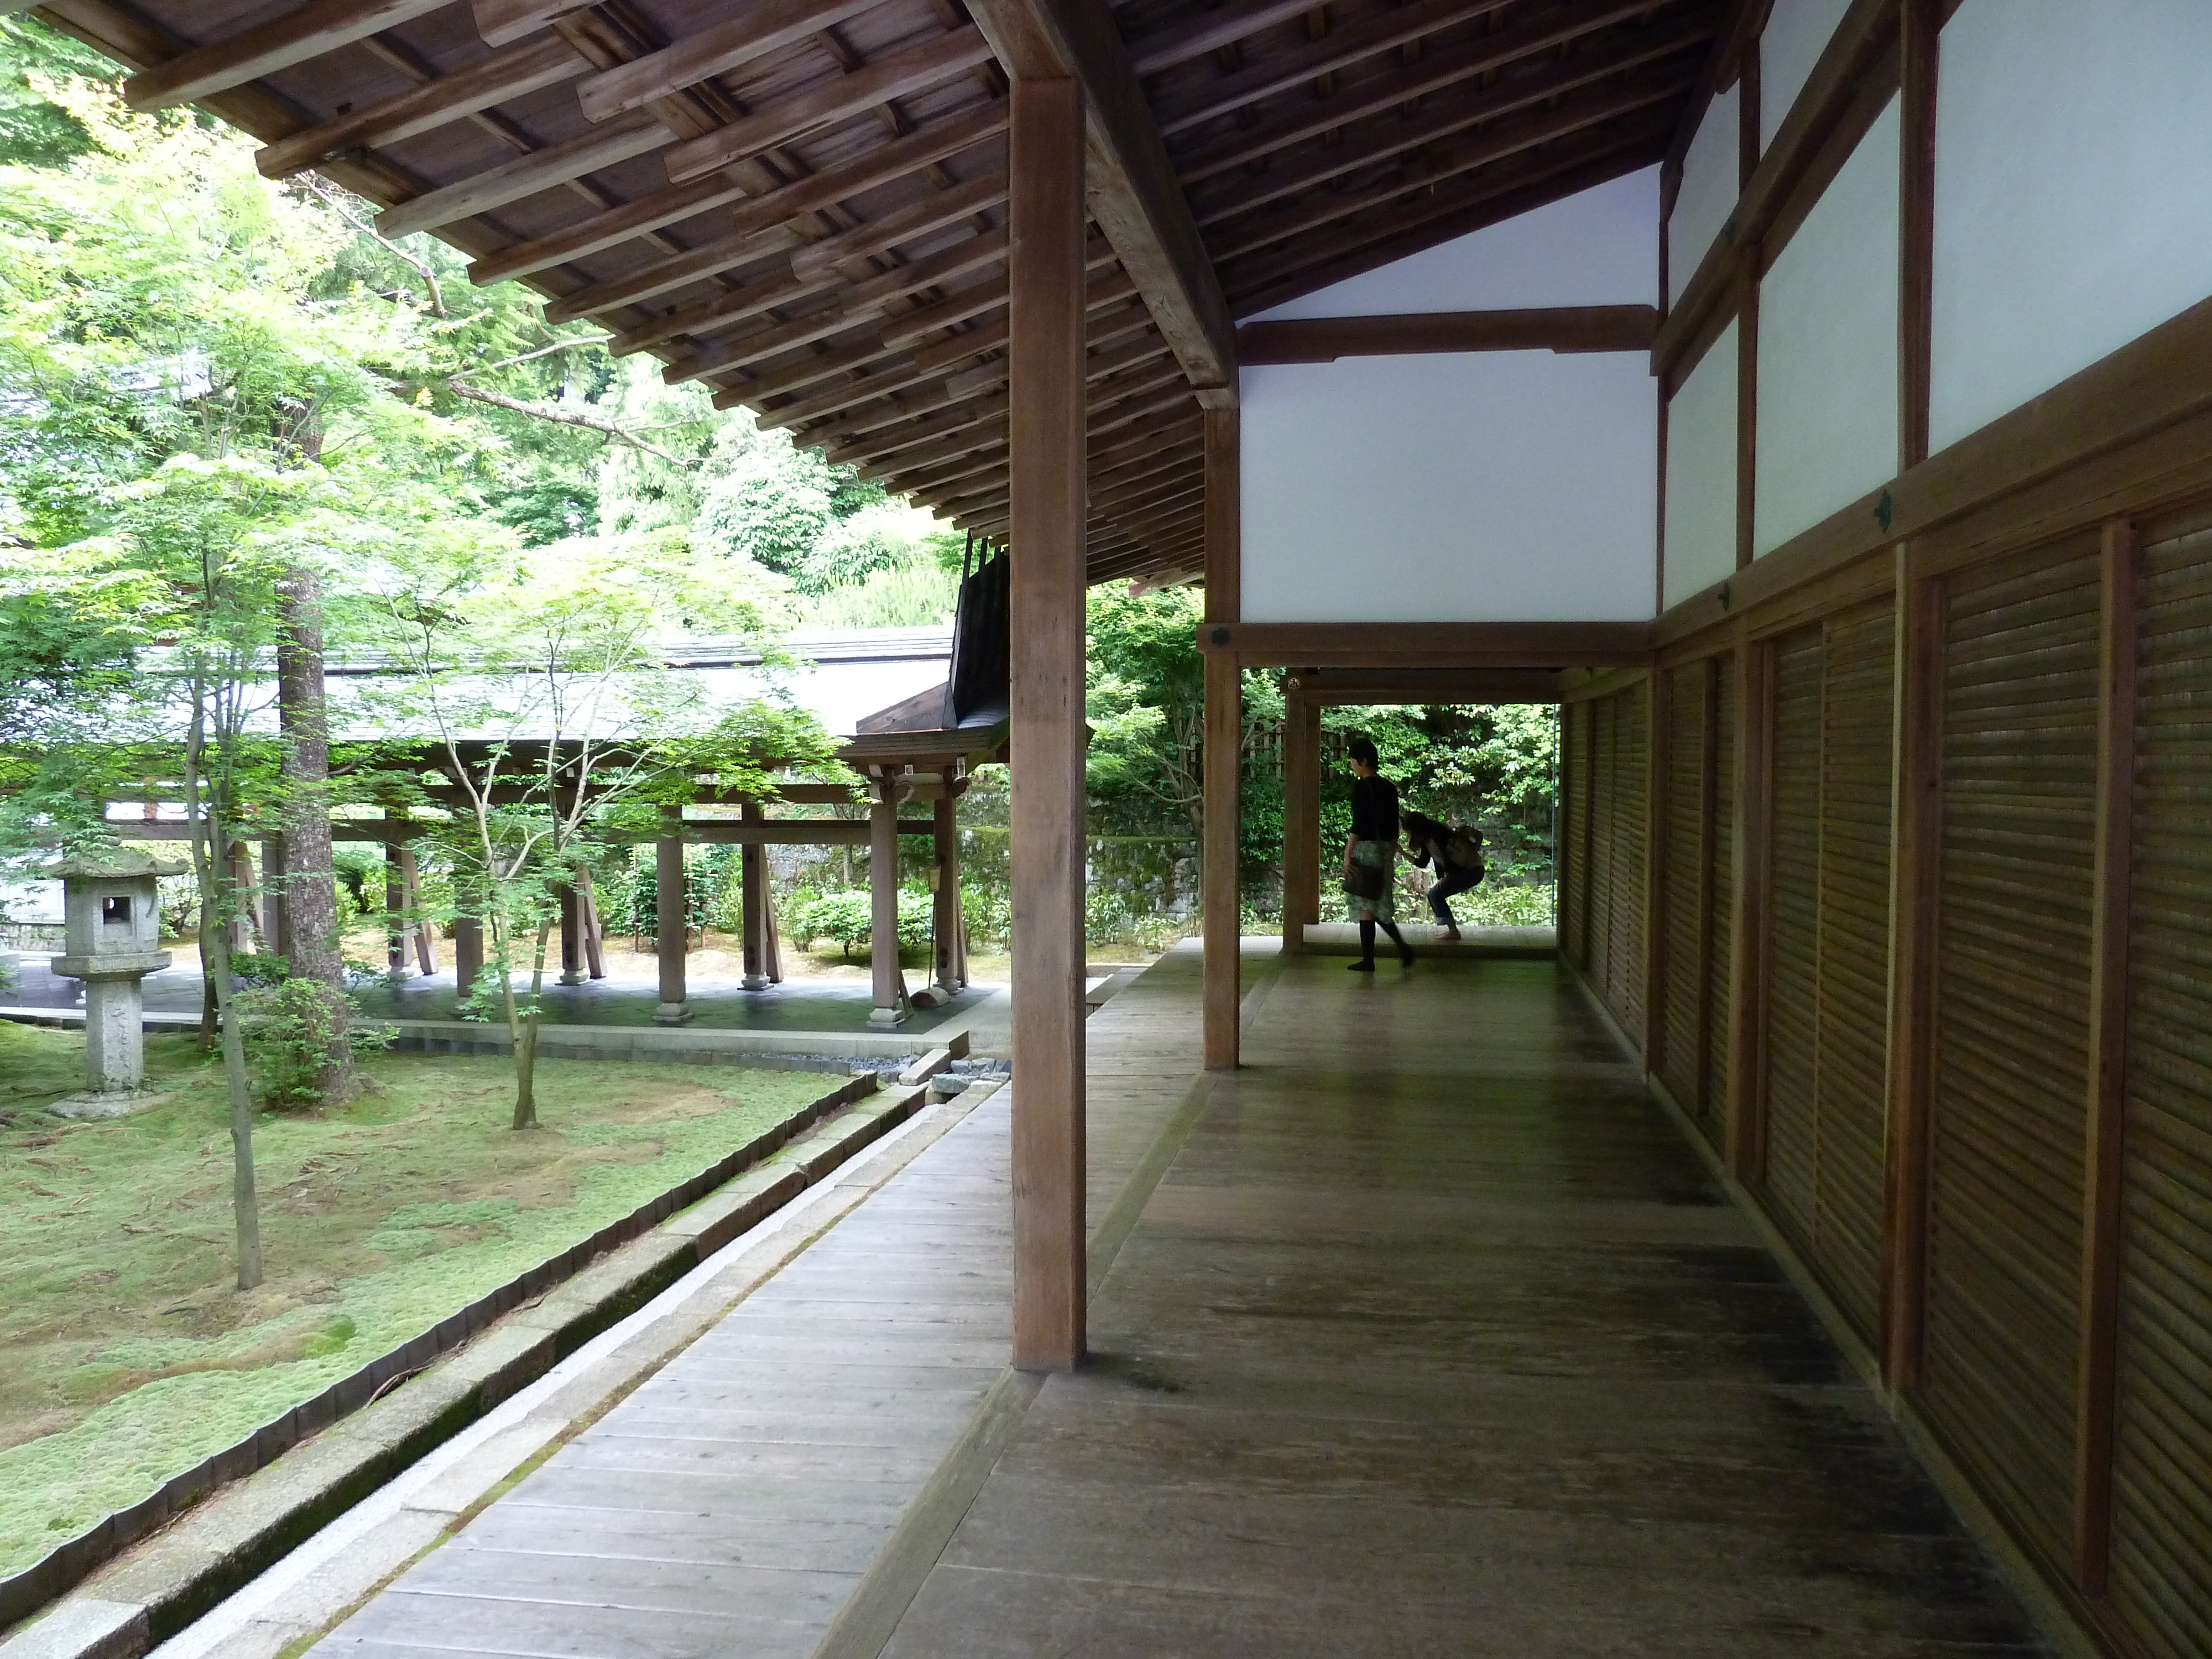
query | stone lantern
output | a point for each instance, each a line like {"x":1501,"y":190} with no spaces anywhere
{"x":113,"y":919}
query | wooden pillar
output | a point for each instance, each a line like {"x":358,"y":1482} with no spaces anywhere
{"x":945,"y":921}
{"x":1045,"y":523}
{"x":1300,"y":825}
{"x":1657,"y":902}
{"x":242,"y":895}
{"x":2105,"y":1154}
{"x":1919,"y":35}
{"x":276,"y":926}
{"x":468,"y":953}
{"x":572,"y":935}
{"x":1916,"y":788}
{"x":889,"y":984}
{"x":1219,"y":881}
{"x":588,"y":904}
{"x":752,"y":873}
{"x":671,"y":930}
{"x":419,"y":930}
{"x":1709,"y":765}
{"x":395,"y":907}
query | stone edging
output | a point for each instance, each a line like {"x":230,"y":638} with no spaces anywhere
{"x":541,"y":1315}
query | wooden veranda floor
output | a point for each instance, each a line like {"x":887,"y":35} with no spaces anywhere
{"x":1425,"y":1334}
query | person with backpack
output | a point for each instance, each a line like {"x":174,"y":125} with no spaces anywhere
{"x":1456,"y":855}
{"x":1371,"y":855}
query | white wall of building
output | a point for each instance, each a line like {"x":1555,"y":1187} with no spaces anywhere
{"x":1503,"y":486}
{"x":1828,"y":350}
{"x":1712,"y":180}
{"x":2073,"y":192}
{"x":1797,"y":33}
{"x":1593,"y":248}
{"x":1701,"y":473}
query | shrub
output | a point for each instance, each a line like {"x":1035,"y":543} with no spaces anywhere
{"x":287,"y":1028}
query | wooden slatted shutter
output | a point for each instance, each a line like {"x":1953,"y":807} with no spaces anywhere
{"x":1574,"y":876}
{"x":1828,"y":951}
{"x":1855,"y":749}
{"x":2012,"y":993}
{"x":1603,"y":804}
{"x":1679,"y":991}
{"x":1626,"y":963}
{"x":2162,"y":1560}
{"x":1793,"y":980}
{"x":1723,"y":923}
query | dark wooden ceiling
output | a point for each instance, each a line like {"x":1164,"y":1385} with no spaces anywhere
{"x":802,"y":203}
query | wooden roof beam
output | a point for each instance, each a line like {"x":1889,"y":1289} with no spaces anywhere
{"x":511,"y":73}
{"x":525,"y":175}
{"x":1550,"y":328}
{"x":1134,"y":196}
{"x":1429,"y":73}
{"x":758,"y":29}
{"x":1194,"y":37}
{"x":293,"y":37}
{"x":501,"y":22}
{"x":916,"y":69}
{"x":1515,"y":115}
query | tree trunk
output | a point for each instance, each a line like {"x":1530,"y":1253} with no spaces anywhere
{"x":311,"y":881}
{"x":525,"y":1041}
{"x":244,"y":1203}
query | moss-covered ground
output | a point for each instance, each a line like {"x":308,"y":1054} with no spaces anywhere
{"x":126,"y":1353}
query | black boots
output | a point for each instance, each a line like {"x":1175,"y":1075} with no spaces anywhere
{"x":1366,"y":962}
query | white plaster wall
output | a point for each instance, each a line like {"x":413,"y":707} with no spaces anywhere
{"x":1593,"y":248}
{"x":2073,"y":192}
{"x":1701,"y":474}
{"x":1828,"y":348}
{"x":1476,"y":487}
{"x":1797,"y":33}
{"x":1710,"y":184}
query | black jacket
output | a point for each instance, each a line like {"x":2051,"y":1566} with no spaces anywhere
{"x":1374,"y":809}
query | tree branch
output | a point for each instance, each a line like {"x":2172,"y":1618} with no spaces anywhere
{"x":564,"y":416}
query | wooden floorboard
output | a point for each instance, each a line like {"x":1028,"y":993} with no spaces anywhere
{"x":1435,"y":1340}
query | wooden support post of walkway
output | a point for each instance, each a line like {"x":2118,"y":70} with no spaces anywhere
{"x":952,"y":965}
{"x":1046,"y":735}
{"x":1301,"y":820}
{"x":395,"y":907}
{"x":571,"y":934}
{"x":276,"y":921}
{"x":468,"y":953}
{"x":885,"y":788}
{"x":242,"y":885}
{"x":672,"y":929}
{"x":1219,"y":885}
{"x":752,"y":874}
{"x":426,"y":938}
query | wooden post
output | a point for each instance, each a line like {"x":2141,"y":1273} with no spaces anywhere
{"x":672,"y":929}
{"x":752,"y":872}
{"x":1754,"y":746}
{"x":276,"y":926}
{"x":2105,"y":1155}
{"x":595,"y":962}
{"x":1219,"y":880}
{"x":1747,"y":406}
{"x":1300,"y":858}
{"x":242,"y":925}
{"x":468,"y":953}
{"x":1046,"y":522}
{"x":944,"y":918}
{"x":395,"y":907}
{"x":1918,"y":791}
{"x":572,"y":936}
{"x":1919,"y":35}
{"x":426,"y":941}
{"x":890,"y":985}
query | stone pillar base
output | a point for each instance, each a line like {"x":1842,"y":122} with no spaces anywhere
{"x":672,"y":1013}
{"x":570,"y":976}
{"x":755,"y":983}
{"x":886,"y":1016}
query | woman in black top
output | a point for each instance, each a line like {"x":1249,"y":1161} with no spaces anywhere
{"x":1373,"y":846}
{"x":1458,"y":863}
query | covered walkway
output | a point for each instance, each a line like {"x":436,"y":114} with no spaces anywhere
{"x":1426,"y":1332}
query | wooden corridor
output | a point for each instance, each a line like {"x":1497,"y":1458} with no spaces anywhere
{"x":1428,"y":1335}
